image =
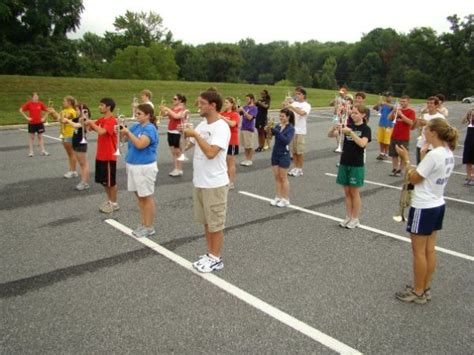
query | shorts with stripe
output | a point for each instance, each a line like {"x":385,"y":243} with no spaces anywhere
{"x":233,"y":149}
{"x":424,"y":221}
{"x":105,"y":172}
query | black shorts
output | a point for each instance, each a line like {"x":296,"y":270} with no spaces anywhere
{"x":233,"y":149}
{"x":260,"y":123}
{"x":78,"y":147}
{"x":105,"y":172}
{"x":173,"y":139}
{"x":281,"y":160}
{"x":36,"y":128}
{"x":393,"y":142}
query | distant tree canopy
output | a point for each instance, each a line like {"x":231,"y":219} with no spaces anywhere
{"x":33,"y":41}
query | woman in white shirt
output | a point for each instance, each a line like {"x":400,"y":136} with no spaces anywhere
{"x":427,"y":206}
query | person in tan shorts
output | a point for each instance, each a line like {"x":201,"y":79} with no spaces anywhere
{"x":211,"y":140}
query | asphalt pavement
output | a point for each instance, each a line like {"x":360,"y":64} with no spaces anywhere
{"x":71,"y":283}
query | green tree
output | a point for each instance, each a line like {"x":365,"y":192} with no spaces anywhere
{"x":140,"y":28}
{"x":163,"y":61}
{"x":133,"y":62}
{"x":327,"y":80}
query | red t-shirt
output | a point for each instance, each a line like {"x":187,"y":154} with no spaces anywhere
{"x":34,"y":109}
{"x":173,"y":123}
{"x":401,"y":131}
{"x":107,"y":143}
{"x":234,"y":131}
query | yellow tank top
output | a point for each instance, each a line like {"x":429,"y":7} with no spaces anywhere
{"x":66,"y":129}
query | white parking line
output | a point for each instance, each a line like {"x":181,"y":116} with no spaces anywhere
{"x":375,"y":230}
{"x":253,"y":301}
{"x":452,"y":172}
{"x":44,"y":135}
{"x":399,"y":188}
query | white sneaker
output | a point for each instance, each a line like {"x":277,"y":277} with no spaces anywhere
{"x":353,"y":223}
{"x":210,"y":264}
{"x":243,"y":163}
{"x":298,"y":172}
{"x":275,"y":201}
{"x":175,"y":173}
{"x":283,"y":203}
{"x":200,"y":261}
{"x":343,"y":223}
{"x":30,"y":154}
{"x":82,"y":186}
{"x":71,"y":174}
{"x":249,"y":163}
{"x":45,"y":153}
{"x":291,"y":172}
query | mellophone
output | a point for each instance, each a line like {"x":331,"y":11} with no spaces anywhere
{"x":342,"y":113}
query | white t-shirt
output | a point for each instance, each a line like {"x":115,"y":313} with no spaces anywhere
{"x":211,"y":173}
{"x":436,"y":167}
{"x":422,"y":139}
{"x":300,"y":120}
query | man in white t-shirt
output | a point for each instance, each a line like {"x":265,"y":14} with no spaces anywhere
{"x":211,"y":139}
{"x":431,"y":112}
{"x":301,"y":109}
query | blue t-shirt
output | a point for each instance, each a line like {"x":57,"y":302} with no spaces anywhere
{"x":146,"y":155}
{"x":384,"y":113}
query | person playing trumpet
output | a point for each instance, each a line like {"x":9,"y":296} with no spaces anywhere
{"x":106,"y":160}
{"x":142,"y":167}
{"x":231,"y":116}
{"x":351,"y":168}
{"x":175,"y":117}
{"x":34,"y":107}
{"x":283,"y":133}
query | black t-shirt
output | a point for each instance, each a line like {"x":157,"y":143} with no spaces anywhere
{"x":262,"y":111}
{"x":353,"y":154}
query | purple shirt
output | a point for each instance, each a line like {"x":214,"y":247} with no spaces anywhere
{"x":249,"y":125}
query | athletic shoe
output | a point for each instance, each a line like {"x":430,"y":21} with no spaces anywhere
{"x":109,"y":207}
{"x":143,"y":232}
{"x":71,"y":174}
{"x":275,"y":201}
{"x":283,"y":203}
{"x":244,"y":162}
{"x":176,"y":173}
{"x":343,"y":223}
{"x":470,"y":183}
{"x":298,"y":172}
{"x":427,"y":292}
{"x":292,"y":171}
{"x":393,"y":172}
{"x":266,"y":147}
{"x":210,"y":264}
{"x":398,"y":173}
{"x":353,"y":223}
{"x":30,"y":154}
{"x":411,"y":296}
{"x":200,"y":261}
{"x":82,"y":186}
{"x":45,"y":153}
{"x":380,"y":157}
{"x":259,"y":149}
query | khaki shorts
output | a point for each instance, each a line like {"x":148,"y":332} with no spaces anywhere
{"x":210,"y":206}
{"x":384,"y":135}
{"x":246,"y":139}
{"x":297,"y":144}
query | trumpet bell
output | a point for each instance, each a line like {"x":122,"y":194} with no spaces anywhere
{"x":46,"y":123}
{"x":84,"y":140}
{"x":61,"y":136}
{"x":338,"y":150}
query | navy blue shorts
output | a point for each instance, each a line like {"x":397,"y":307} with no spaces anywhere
{"x":423,"y":221}
{"x":282,"y":160}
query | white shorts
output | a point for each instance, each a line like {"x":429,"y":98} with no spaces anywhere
{"x":141,"y":178}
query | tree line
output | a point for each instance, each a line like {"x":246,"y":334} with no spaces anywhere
{"x":33,"y":41}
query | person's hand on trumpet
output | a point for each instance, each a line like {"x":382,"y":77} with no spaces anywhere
{"x":188,"y":130}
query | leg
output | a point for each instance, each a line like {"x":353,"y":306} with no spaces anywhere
{"x":215,"y":241}
{"x":70,"y":155}
{"x":469,"y":171}
{"x":284,"y":183}
{"x":148,"y":212}
{"x":111,"y":192}
{"x":41,"y":142}
{"x":142,"y":209}
{"x":348,"y":201}
{"x":394,"y":163}
{"x":84,"y":165}
{"x":230,"y":159}
{"x":356,"y":202}
{"x":418,"y":243}
{"x":31,"y":138}
{"x":430,"y":259}
{"x":277,"y":181}
{"x":177,"y":164}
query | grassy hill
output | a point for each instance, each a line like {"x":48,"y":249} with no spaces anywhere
{"x":14,"y":90}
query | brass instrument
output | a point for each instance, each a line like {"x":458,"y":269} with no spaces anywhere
{"x":405,"y":198}
{"x":85,"y":116}
{"x":161,"y":116}
{"x":134,"y":107}
{"x":183,"y":140}
{"x":268,"y":133}
{"x":342,"y":116}
{"x":118,"y":127}
{"x":50,"y":106}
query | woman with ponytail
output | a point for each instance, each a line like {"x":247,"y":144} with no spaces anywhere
{"x":427,"y":205}
{"x":142,"y":166}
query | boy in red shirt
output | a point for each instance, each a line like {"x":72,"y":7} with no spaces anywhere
{"x":106,"y":160}
{"x":404,"y":117}
{"x":34,"y":107}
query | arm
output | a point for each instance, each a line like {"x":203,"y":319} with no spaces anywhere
{"x":246,"y":114}
{"x":210,"y":151}
{"x":413,"y":176}
{"x":93,"y":126}
{"x":140,"y":143}
{"x":23,"y":114}
{"x":284,"y":136}
{"x":360,"y":141}
{"x":333,"y":131}
{"x":230,"y":122}
{"x":298,"y":110}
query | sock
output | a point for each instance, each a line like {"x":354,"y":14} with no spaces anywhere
{"x":213,"y":257}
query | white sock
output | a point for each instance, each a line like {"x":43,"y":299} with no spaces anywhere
{"x":216,"y":258}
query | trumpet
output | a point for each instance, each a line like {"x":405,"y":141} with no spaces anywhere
{"x":160,"y":117}
{"x":85,"y":116}
{"x":182,"y":140}
{"x":120,"y":118}
{"x":405,"y":198}
{"x":50,"y":105}
{"x":343,"y":116}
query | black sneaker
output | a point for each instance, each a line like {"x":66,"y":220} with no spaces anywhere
{"x":398,"y":173}
{"x":410,"y":296}
{"x":394,"y":171}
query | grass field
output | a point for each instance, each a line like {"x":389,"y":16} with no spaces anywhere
{"x":14,"y":90}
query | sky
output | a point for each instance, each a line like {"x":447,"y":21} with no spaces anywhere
{"x":200,"y":21}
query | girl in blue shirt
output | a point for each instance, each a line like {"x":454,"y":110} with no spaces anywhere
{"x":141,"y":165}
{"x":281,"y":161}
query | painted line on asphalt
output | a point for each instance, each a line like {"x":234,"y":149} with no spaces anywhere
{"x":371,"y":229}
{"x":44,"y":135}
{"x":452,"y":172}
{"x":253,"y":301}
{"x":399,"y":188}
